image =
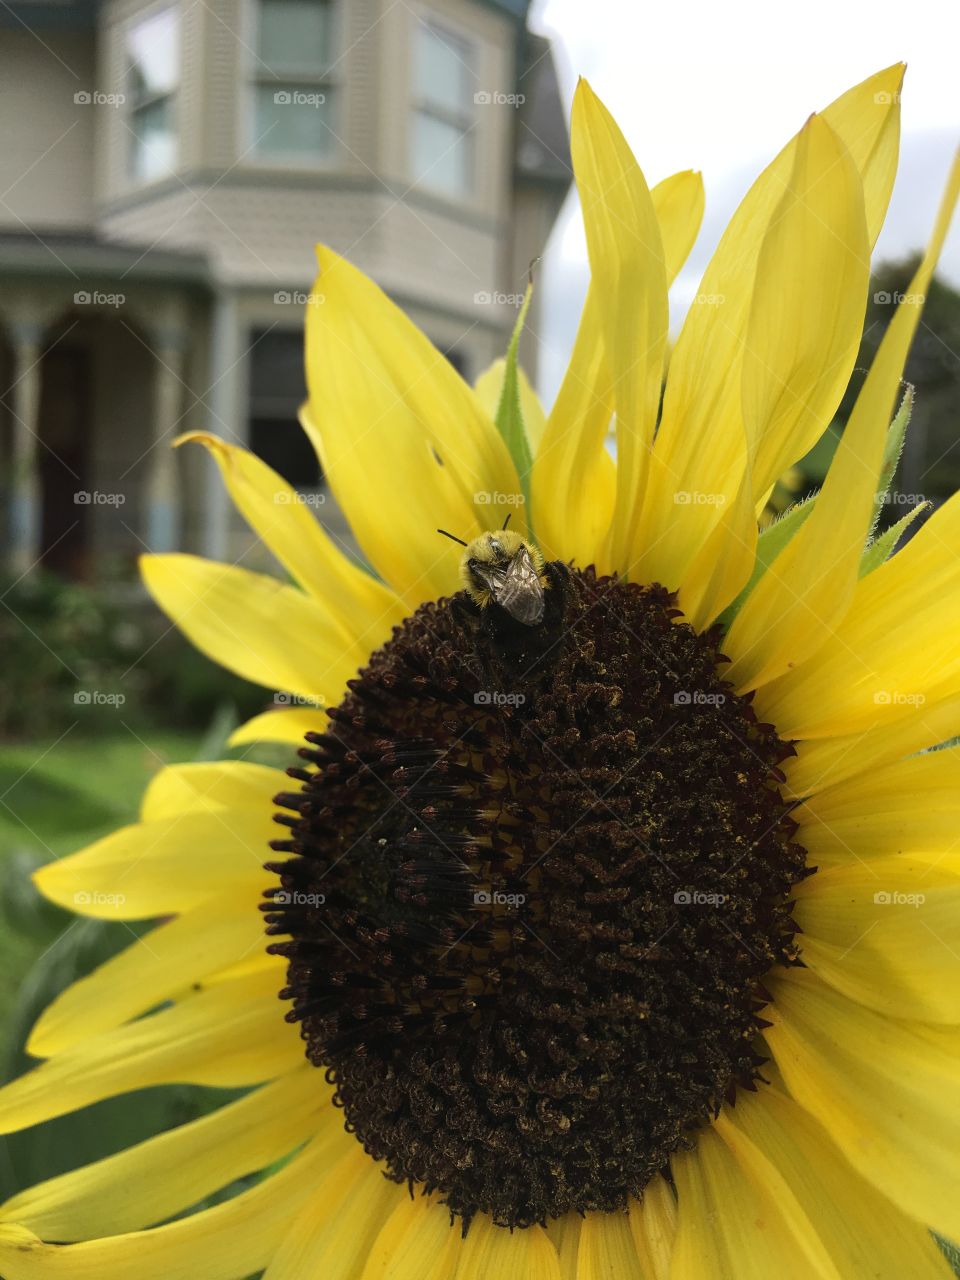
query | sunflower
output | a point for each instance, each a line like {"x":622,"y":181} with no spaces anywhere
{"x":613,"y":914}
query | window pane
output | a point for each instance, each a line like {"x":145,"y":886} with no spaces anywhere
{"x":292,"y":120}
{"x":153,"y":54}
{"x":154,"y":141}
{"x":441,"y":155}
{"x":442,"y":70}
{"x":294,"y":36}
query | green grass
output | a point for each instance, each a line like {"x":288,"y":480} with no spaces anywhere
{"x":55,"y":798}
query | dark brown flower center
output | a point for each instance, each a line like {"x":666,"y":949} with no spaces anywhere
{"x":536,"y":877}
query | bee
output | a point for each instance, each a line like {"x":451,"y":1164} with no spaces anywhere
{"x":500,"y":568}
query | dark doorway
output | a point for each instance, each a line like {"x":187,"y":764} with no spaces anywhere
{"x":65,"y":429}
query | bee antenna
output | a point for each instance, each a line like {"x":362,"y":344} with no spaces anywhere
{"x":507,"y":521}
{"x":453,"y":537}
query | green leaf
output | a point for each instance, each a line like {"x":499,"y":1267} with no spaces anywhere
{"x":893,"y":448}
{"x":771,"y":542}
{"x":775,"y":537}
{"x":882,"y":548}
{"x":509,"y":417}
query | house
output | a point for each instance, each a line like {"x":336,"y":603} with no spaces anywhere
{"x":165,"y":170}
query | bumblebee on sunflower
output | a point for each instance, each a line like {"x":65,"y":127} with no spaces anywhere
{"x":613,"y":914}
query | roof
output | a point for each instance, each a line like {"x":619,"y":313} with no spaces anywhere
{"x":543,"y":141}
{"x":84,"y":254}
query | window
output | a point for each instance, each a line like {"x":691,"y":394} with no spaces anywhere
{"x":277,"y":389}
{"x":292,"y":94}
{"x":153,"y":71}
{"x":441,"y":151}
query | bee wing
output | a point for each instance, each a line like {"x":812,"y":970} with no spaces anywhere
{"x":521,"y":594}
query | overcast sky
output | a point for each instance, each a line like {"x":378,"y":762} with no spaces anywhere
{"x":721,"y":87}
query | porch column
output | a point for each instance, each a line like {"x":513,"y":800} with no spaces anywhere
{"x":162,"y":490}
{"x":227,"y":408}
{"x":25,"y":498}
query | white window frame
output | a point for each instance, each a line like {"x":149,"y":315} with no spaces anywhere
{"x":325,"y":81}
{"x":132,"y":107}
{"x":464,"y":120}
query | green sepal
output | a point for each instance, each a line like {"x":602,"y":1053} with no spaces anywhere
{"x":509,"y":417}
{"x":882,"y":548}
{"x":771,"y":542}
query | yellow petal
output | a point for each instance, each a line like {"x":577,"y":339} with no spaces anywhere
{"x":490,"y":1251}
{"x":152,"y":969}
{"x":861,"y":1230}
{"x":895,"y":651}
{"x":909,"y":807}
{"x":285,"y":724}
{"x":227,"y":1242}
{"x":417,"y":1242}
{"x":654,"y":1224}
{"x":738,"y":1219}
{"x":887,"y":1092}
{"x":887,"y":933}
{"x":361,"y":607}
{"x":488,"y":389}
{"x":336,"y":1228}
{"x":573,"y":487}
{"x":157,"y":868}
{"x":607,"y":1249}
{"x":627,"y":269}
{"x":254,"y":626}
{"x":564,"y":1234}
{"x":574,"y":477}
{"x":829,"y":761}
{"x":213,"y":787}
{"x":796,"y":606}
{"x":230,"y":1035}
{"x":404,"y":442}
{"x":806,"y":315}
{"x":700,"y":454}
{"x":156,"y":1179}
{"x":867,"y":119}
